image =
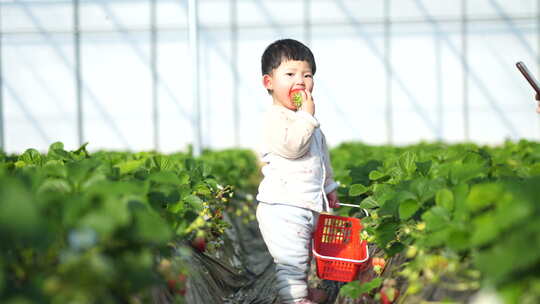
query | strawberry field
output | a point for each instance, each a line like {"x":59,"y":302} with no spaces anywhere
{"x":447,"y":221}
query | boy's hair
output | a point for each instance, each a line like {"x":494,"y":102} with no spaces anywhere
{"x":283,"y":50}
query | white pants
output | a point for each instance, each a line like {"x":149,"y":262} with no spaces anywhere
{"x":287,"y":232}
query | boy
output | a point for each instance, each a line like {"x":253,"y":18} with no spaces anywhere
{"x":297,"y":183}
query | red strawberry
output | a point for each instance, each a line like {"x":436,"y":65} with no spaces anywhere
{"x":199,"y":243}
{"x":178,"y":285}
{"x":389,"y":295}
{"x":378,"y":265}
{"x":296,"y":97}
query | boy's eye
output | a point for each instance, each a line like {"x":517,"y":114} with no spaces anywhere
{"x":289,"y":74}
{"x":308,"y":76}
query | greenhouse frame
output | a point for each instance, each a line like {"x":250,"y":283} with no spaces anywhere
{"x":163,"y":75}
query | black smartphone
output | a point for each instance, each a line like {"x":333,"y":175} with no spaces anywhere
{"x":530,"y":78}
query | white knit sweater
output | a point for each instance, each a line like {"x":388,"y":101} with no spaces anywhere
{"x":297,"y":170}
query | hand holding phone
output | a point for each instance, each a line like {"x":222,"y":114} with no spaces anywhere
{"x":530,"y":78}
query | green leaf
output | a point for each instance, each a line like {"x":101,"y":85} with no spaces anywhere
{"x":176,"y":207}
{"x":163,"y":162}
{"x":483,"y":195}
{"x":385,"y":233}
{"x":390,"y":207}
{"x":375,"y":175}
{"x":357,"y":189}
{"x":55,"y":168}
{"x":369,"y":203}
{"x":460,"y":193}
{"x":360,"y":174}
{"x":407,"y":209}
{"x":55,"y":185}
{"x":56,"y":151}
{"x":19,"y":215}
{"x":407,"y":162}
{"x":202,"y":189}
{"x":424,"y":167}
{"x":355,"y":289}
{"x":194,"y":201}
{"x":184,"y":177}
{"x":130,"y":165}
{"x":425,"y":188}
{"x":466,"y":172}
{"x":458,"y":239}
{"x":81,"y":151}
{"x":150,"y":227}
{"x":436,"y":238}
{"x":403,"y":195}
{"x":517,"y":253}
{"x":31,"y":157}
{"x":56,"y":146}
{"x":2,"y":277}
{"x":485,"y":229}
{"x":394,"y":249}
{"x":445,"y":198}
{"x":436,"y":218}
{"x":165,"y":177}
{"x":513,"y":293}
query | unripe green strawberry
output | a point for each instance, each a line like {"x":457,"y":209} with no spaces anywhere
{"x":296,"y":97}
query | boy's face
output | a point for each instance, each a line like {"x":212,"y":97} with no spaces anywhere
{"x":288,"y":76}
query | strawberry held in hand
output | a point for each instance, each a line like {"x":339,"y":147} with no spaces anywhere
{"x":296,"y":97}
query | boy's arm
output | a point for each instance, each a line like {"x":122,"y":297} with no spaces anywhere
{"x":290,"y":138}
{"x":329,"y":183}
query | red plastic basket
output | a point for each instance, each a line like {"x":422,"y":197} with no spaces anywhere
{"x":338,"y":249}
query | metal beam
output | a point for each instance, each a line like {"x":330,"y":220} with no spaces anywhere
{"x":108,"y":119}
{"x":439,"y":84}
{"x":469,"y":75}
{"x":465,"y":65}
{"x":2,"y":146}
{"x":380,"y":55}
{"x":388,"y":72}
{"x":78,"y":74}
{"x":307,"y":22}
{"x":22,"y":62}
{"x":27,"y":114}
{"x":273,"y":23}
{"x":234,"y":64}
{"x":155,"y":76}
{"x":513,"y":28}
{"x":206,"y":35}
{"x":193,"y":19}
{"x":142,"y":56}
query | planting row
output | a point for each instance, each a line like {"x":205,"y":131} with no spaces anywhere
{"x":451,"y":219}
{"x":102,"y":227}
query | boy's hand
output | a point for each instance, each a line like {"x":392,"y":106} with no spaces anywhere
{"x":333,"y":201}
{"x":308,"y":105}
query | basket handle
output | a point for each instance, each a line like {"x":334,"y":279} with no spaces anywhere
{"x":356,"y":206}
{"x":340,"y":259}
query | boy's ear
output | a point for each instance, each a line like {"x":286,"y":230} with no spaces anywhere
{"x":267,"y":81}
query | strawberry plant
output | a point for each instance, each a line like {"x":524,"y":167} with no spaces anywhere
{"x":454,"y":215}
{"x":108,"y":226}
